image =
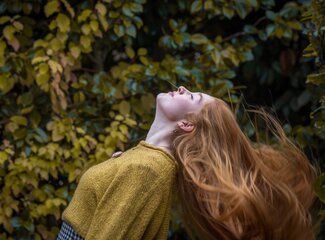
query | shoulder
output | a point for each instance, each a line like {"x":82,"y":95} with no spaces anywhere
{"x":155,"y":160}
{"x":138,"y":160}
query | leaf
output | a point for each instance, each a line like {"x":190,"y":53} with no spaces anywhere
{"x":4,"y":19}
{"x":43,"y":68}
{"x":42,"y":134}
{"x":3,"y":47}
{"x":51,"y":7}
{"x":135,"y":7}
{"x":25,"y":99}
{"x":8,"y":33}
{"x":294,"y":25}
{"x":15,"y":44}
{"x":196,"y":6}
{"x":119,"y":30}
{"x":42,"y":80}
{"x":208,"y":5}
{"x":127,"y":10}
{"x":85,"y":29}
{"x":101,"y":9}
{"x":130,"y":52}
{"x":124,"y":108}
{"x":123,"y":128}
{"x":103,"y":21}
{"x":270,"y":29}
{"x":84,"y":15}
{"x":63,"y":22}
{"x":316,"y":78}
{"x":241,"y":10}
{"x":173,"y":24}
{"x":182,"y":71}
{"x":56,"y":44}
{"x":199,"y":39}
{"x":144,"y":60}
{"x":75,"y":51}
{"x":94,"y":25}
{"x":250,"y":29}
{"x":18,"y":25}
{"x":253,"y":3}
{"x":270,"y":15}
{"x":19,"y":120}
{"x":228,"y":12}
{"x":320,"y":187}
{"x":142,"y":51}
{"x":6,"y":83}
{"x":69,"y":8}
{"x":131,"y":31}
{"x":216,"y":56}
{"x":55,"y":67}
{"x":85,"y":41}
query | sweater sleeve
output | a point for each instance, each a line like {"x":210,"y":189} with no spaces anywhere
{"x":128,"y":206}
{"x":83,"y":203}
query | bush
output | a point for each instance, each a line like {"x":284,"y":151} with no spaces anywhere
{"x":78,"y":80}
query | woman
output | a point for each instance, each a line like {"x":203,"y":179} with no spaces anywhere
{"x":129,"y":197}
{"x":229,"y":188}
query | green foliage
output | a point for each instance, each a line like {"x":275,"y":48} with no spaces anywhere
{"x":315,"y":21}
{"x":77,"y":82}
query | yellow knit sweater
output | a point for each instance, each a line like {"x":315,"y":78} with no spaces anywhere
{"x":128,"y":197}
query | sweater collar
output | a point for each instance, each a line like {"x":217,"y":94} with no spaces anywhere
{"x":147,"y":145}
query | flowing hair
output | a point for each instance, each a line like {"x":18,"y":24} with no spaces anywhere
{"x":232,"y":188}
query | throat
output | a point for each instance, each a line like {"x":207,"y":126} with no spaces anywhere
{"x":160,"y":138}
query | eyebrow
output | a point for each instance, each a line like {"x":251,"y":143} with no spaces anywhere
{"x":201,"y":96}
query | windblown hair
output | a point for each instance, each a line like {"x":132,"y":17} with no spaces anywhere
{"x":233,"y":188}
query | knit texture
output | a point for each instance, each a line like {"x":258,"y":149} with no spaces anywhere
{"x":128,"y":197}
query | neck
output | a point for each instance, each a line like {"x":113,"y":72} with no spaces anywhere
{"x":160,"y":133}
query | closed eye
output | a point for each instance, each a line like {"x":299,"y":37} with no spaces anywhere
{"x":192,"y":96}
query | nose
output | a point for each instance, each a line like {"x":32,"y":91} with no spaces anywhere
{"x":182,"y":90}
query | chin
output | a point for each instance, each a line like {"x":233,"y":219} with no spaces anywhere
{"x":161,"y":95}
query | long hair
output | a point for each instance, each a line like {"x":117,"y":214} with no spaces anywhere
{"x":233,"y":188}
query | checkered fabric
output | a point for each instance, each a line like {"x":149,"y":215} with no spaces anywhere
{"x":67,"y":233}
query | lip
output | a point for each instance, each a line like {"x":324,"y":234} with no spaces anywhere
{"x":171,"y":94}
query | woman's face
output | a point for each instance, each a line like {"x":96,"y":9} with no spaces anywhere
{"x":175,"y":105}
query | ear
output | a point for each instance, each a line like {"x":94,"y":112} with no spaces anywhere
{"x":186,"y":125}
